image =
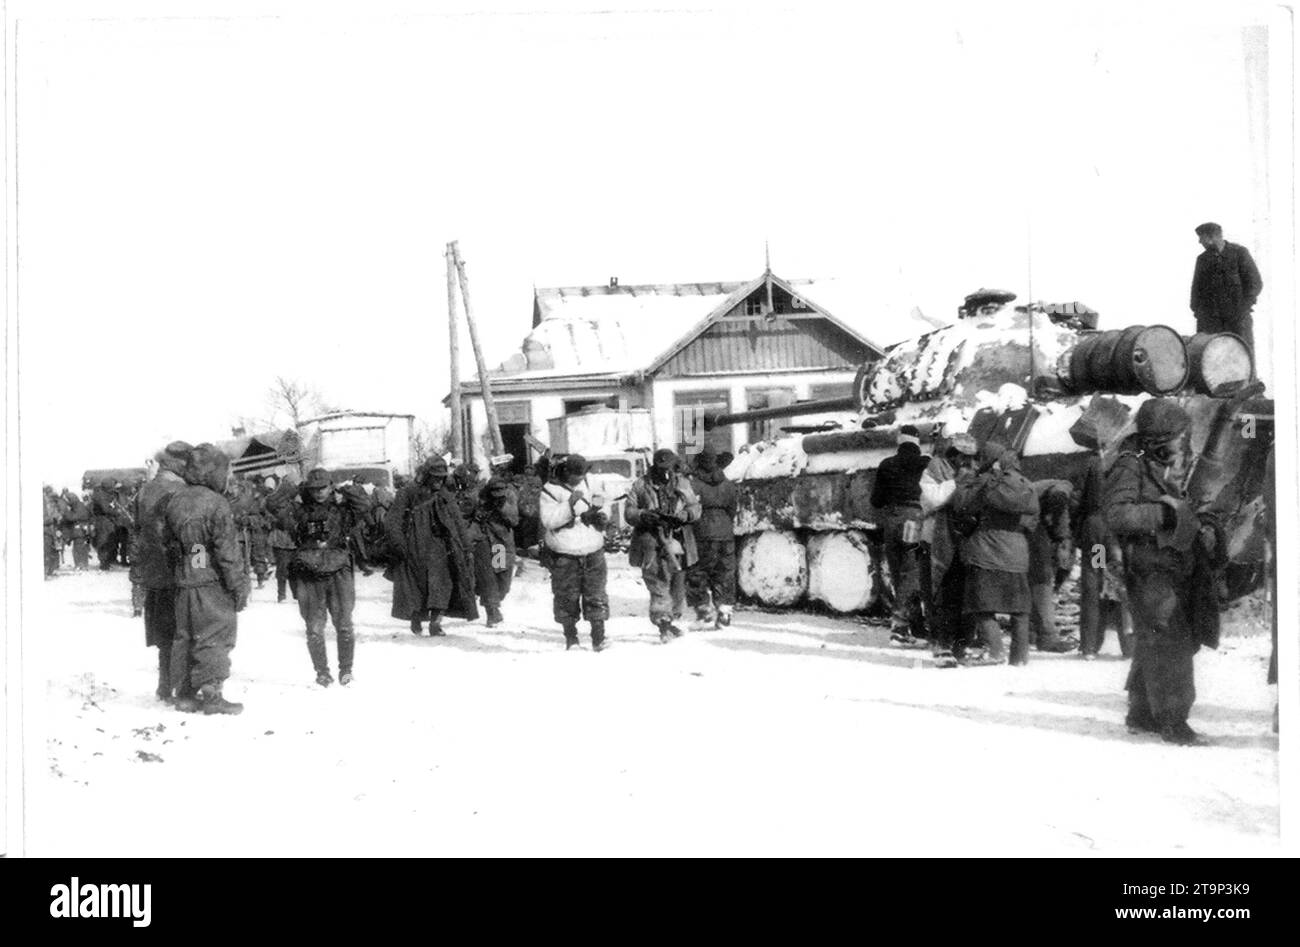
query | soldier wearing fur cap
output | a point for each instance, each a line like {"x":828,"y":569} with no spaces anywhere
{"x":433,"y":564}
{"x":150,"y":568}
{"x":1000,"y":507}
{"x":1169,"y":556}
{"x":661,"y":508}
{"x":573,"y":518}
{"x":321,"y":523}
{"x":211,"y":585}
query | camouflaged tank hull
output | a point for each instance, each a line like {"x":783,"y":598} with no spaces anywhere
{"x":981,"y":378}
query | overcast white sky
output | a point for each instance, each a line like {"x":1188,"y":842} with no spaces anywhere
{"x":206,"y":203}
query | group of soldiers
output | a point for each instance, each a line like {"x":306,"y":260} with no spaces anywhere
{"x":967,"y":537}
{"x":101,"y":519}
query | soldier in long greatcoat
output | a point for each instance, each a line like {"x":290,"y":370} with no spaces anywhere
{"x":433,"y":574}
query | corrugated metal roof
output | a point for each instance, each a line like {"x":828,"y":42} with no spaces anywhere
{"x":764,"y":345}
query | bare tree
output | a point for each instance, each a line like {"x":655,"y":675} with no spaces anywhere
{"x":294,"y":401}
{"x":429,"y":440}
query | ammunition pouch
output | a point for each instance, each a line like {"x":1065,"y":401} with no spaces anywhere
{"x":318,"y":563}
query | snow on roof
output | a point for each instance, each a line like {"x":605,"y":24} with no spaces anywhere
{"x":862,"y":307}
{"x":612,"y":328}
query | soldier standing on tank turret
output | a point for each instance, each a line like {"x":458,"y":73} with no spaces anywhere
{"x":1225,"y":285}
{"x":1167,"y":571}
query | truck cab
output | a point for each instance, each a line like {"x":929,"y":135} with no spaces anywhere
{"x":613,"y":473}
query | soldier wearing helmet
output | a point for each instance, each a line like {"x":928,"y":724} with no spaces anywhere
{"x":1164,"y":545}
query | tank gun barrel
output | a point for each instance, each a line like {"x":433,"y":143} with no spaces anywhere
{"x":799,"y":408}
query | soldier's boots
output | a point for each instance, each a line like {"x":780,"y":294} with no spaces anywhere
{"x":494,"y":616}
{"x":211,"y":701}
{"x":320,"y":660}
{"x":347,"y":645}
{"x":164,"y":690}
{"x":571,"y":635}
{"x":416,"y":627}
{"x":1140,"y":720}
{"x":704,"y":619}
{"x":668,"y":631}
{"x":724,"y":616}
{"x":598,"y":640}
{"x":435,"y":625}
{"x":186,"y":701}
{"x":1178,"y":732}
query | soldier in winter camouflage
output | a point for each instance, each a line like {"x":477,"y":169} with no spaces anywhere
{"x":211,"y":584}
{"x":661,"y":506}
{"x":573,"y":521}
{"x":322,"y":568}
{"x":1169,"y":556}
{"x":150,"y":566}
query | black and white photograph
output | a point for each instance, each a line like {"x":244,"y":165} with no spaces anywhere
{"x":585,"y":429}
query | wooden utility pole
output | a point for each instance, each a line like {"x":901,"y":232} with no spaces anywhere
{"x":457,"y":422}
{"x":498,"y":446}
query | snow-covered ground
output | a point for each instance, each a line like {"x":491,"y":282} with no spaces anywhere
{"x":787,"y":733}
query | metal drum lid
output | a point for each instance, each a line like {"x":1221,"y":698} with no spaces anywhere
{"x":1159,"y":359}
{"x":1220,"y":362}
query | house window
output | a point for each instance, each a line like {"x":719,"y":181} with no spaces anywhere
{"x":581,"y":404}
{"x":757,"y":399}
{"x":754,"y":306}
{"x":840,"y":389}
{"x":690,"y":408}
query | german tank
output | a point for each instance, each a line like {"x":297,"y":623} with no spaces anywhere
{"x":1039,"y":378}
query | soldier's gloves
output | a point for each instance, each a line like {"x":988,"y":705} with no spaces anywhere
{"x":650,"y":519}
{"x":1185,"y":525}
{"x":597,"y":519}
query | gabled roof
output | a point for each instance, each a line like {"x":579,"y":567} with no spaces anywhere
{"x":794,"y":288}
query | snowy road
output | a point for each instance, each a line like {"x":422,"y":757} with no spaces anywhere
{"x":789,"y":734}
